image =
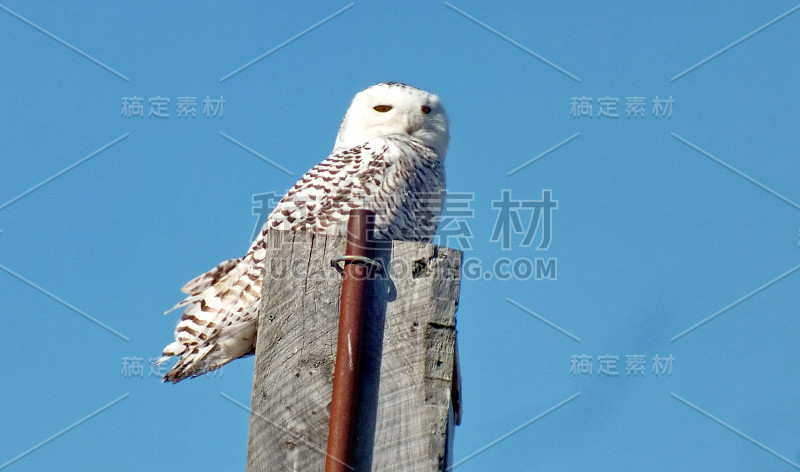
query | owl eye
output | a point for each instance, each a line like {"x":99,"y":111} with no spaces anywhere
{"x":382,"y":108}
{"x":426,"y":109}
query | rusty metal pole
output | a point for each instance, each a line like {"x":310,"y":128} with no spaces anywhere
{"x":343,"y":431}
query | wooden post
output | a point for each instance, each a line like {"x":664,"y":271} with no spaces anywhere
{"x":418,"y":398}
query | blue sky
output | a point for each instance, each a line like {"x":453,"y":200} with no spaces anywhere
{"x":663,"y":221}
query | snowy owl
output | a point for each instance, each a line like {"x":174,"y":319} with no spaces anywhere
{"x":388,"y":158}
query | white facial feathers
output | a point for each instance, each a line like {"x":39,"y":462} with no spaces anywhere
{"x":391,"y":108}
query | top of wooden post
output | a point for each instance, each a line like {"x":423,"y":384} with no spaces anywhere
{"x":419,"y":393}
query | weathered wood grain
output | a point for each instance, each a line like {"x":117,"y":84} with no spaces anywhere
{"x":418,"y":399}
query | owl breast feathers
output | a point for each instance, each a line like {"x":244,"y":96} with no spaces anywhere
{"x":388,"y":158}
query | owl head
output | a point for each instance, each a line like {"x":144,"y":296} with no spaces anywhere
{"x":392,"y":108}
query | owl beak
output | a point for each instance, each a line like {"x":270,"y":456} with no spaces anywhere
{"x":411,"y":126}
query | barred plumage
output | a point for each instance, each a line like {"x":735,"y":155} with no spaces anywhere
{"x":388,"y":157}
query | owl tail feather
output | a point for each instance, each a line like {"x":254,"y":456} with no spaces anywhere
{"x":219,"y":323}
